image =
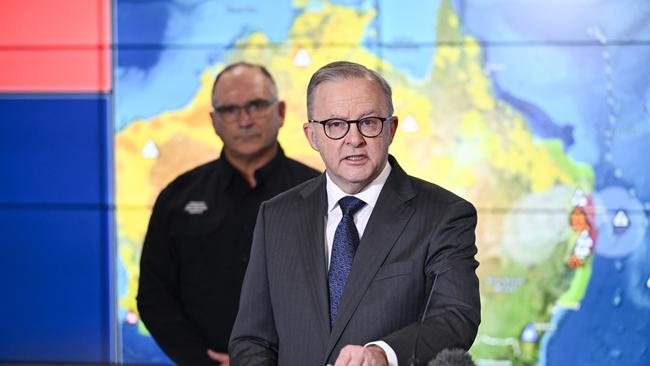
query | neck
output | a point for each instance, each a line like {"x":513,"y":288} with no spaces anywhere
{"x":247,"y":165}
{"x":353,"y":188}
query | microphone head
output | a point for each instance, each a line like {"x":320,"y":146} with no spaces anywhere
{"x":452,"y":357}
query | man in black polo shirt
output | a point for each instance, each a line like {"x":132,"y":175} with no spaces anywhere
{"x":196,"y":249}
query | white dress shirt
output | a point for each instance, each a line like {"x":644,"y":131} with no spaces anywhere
{"x":368,"y":195}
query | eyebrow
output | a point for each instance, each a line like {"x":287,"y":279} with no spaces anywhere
{"x":247,"y":102}
{"x":368,"y":113}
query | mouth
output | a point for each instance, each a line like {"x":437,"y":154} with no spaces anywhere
{"x":249,"y":136}
{"x":356,"y":159}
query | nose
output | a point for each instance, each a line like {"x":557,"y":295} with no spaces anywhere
{"x":354,"y":136}
{"x":244,"y":119}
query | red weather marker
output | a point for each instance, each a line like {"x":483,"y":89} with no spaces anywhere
{"x":583,"y":218}
{"x":55,"y":46}
{"x":579,"y":221}
{"x":574,"y":262}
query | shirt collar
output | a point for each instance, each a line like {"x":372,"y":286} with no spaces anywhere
{"x":369,"y":194}
{"x":263,"y":175}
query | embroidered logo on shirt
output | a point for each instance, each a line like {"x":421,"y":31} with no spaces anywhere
{"x":196,"y":207}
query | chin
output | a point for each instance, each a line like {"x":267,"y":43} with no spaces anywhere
{"x":358,"y":179}
{"x":250,"y":148}
{"x":361,"y":172}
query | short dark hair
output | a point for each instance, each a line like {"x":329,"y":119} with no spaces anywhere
{"x":232,"y":66}
{"x":346,"y":70}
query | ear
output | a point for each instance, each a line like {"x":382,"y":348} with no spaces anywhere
{"x":215,"y":122}
{"x":393,"y":128}
{"x":282,"y":110}
{"x":310,"y":134}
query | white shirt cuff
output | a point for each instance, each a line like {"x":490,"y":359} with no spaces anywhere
{"x":390,"y":354}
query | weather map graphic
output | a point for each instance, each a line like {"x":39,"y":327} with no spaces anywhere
{"x":539,"y":117}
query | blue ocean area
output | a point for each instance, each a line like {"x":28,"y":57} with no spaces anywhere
{"x":415,"y":62}
{"x":357,"y":4}
{"x":577,"y":68}
{"x":141,"y":349}
{"x":141,"y":26}
{"x":612,"y":325}
{"x":420,"y":29}
{"x":409,"y":46}
{"x":539,"y":122}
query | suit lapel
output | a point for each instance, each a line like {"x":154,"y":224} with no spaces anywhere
{"x":311,"y":242}
{"x":386,"y":223}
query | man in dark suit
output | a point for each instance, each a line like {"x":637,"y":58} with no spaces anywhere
{"x":197,"y":245}
{"x":363,"y":265}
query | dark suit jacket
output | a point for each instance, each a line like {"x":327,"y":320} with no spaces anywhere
{"x":417,"y":231}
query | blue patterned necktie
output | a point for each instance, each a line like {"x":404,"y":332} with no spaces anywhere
{"x":346,"y":240}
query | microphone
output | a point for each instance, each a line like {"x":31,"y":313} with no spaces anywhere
{"x":452,"y":357}
{"x":414,"y":361}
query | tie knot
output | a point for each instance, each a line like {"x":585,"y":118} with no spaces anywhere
{"x":350,"y":205}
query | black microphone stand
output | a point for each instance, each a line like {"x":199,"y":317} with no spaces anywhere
{"x":414,"y":361}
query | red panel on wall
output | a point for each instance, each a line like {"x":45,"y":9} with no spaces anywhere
{"x":55,"y":46}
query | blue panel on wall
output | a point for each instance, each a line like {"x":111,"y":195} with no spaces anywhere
{"x":53,"y":149}
{"x":54,"y":196}
{"x":53,"y":274}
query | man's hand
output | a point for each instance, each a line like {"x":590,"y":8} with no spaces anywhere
{"x":361,"y":356}
{"x":219,"y":357}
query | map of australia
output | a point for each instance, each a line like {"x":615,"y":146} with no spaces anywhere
{"x":540,"y":220}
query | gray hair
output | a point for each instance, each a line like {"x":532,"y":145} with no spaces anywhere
{"x":262,"y":69}
{"x":346,"y":70}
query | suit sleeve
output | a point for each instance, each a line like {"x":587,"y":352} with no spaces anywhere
{"x":158,"y":294}
{"x":254,"y":339}
{"x":453,"y":316}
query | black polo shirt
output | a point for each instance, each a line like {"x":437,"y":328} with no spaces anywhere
{"x":196,"y":250}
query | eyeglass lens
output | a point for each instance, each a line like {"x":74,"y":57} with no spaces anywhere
{"x":368,"y":127}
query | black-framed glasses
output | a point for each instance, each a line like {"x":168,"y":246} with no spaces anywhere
{"x":255,"y":108}
{"x":337,"y":128}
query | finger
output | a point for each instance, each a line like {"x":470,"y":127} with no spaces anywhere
{"x":356,"y":358}
{"x":375,"y":356}
{"x":370,"y":360}
{"x":344,"y":357}
{"x":357,"y":355}
{"x":356,"y":361}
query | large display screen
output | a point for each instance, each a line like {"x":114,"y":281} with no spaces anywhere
{"x":536,"y":111}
